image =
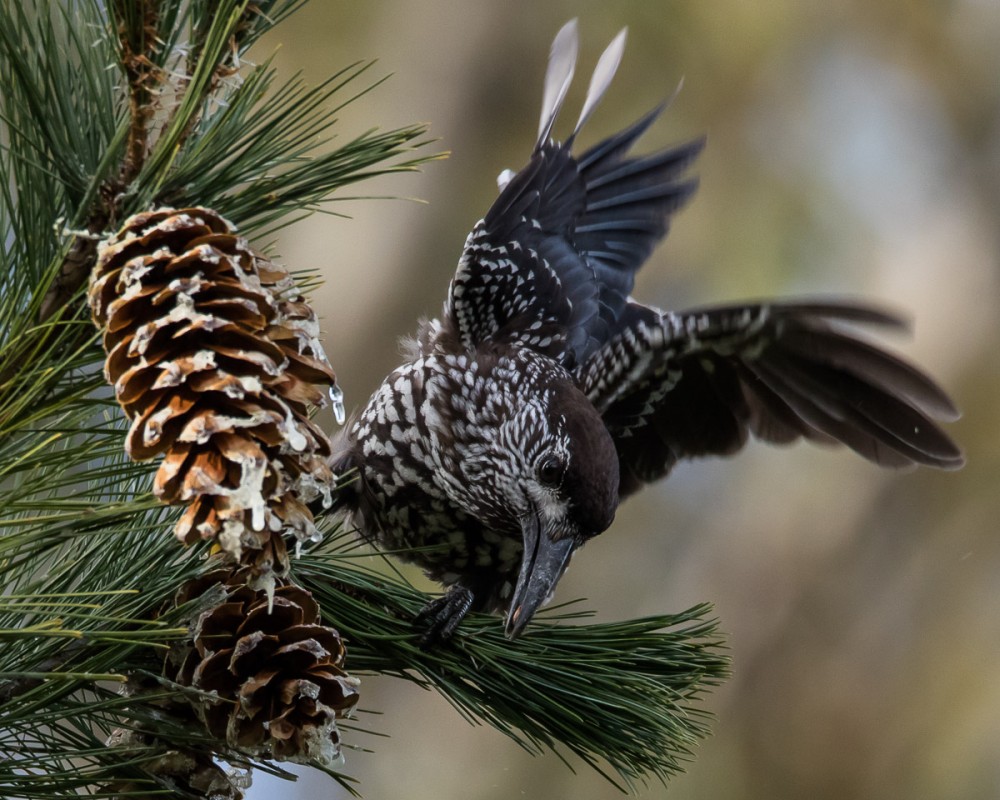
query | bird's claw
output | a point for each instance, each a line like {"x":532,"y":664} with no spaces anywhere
{"x":442,"y":615}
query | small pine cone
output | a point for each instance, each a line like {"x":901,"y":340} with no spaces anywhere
{"x":186,"y":771}
{"x":277,"y":670}
{"x":215,"y":358}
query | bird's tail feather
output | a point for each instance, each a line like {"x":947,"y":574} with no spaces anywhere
{"x":558,"y":77}
{"x":604,"y":72}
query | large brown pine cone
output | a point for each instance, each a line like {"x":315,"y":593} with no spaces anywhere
{"x":277,"y":670}
{"x":215,"y":357}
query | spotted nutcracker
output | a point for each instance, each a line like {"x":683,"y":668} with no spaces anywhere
{"x":544,"y":395}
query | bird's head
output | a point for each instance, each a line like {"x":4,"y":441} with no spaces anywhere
{"x":549,"y":467}
{"x":572,"y":494}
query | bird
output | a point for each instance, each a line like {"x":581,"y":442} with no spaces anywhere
{"x":545,"y":395}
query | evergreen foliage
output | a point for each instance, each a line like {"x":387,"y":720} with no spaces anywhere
{"x":111,"y":109}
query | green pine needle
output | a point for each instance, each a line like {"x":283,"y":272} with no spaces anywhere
{"x":621,"y":695}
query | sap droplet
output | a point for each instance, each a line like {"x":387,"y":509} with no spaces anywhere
{"x":337,"y":400}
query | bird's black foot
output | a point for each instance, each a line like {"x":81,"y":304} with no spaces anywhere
{"x":442,"y":615}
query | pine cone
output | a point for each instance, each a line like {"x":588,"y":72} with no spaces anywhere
{"x":215,"y":357}
{"x":188,"y":772}
{"x":277,"y":670}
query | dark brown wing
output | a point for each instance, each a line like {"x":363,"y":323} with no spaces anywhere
{"x":672,"y":386}
{"x":551,"y":264}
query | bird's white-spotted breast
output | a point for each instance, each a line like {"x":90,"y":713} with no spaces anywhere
{"x":435,"y":443}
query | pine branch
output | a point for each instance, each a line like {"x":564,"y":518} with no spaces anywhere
{"x":640,"y":678}
{"x":89,"y":568}
{"x":621,"y":694}
{"x":138,"y":28}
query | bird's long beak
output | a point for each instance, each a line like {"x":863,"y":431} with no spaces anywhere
{"x":542,"y":565}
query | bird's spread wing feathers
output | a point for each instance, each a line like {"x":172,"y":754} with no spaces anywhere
{"x":551,"y":267}
{"x":673,"y":386}
{"x":551,"y":264}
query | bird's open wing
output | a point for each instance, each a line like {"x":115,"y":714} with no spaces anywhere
{"x":551,"y":264}
{"x":672,"y":386}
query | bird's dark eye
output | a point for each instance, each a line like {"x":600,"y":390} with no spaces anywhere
{"x":550,"y":471}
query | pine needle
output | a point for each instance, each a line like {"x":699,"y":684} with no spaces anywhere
{"x":617,"y":695}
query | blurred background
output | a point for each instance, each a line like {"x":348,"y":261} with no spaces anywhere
{"x":854,"y":149}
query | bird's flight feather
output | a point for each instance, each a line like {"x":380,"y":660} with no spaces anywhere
{"x":545,"y":394}
{"x":551,"y":267}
